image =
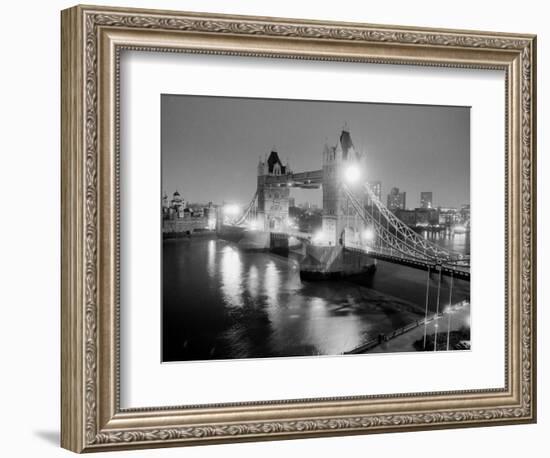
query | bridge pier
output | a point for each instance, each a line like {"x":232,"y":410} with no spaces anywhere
{"x":335,"y":262}
{"x":278,"y":243}
{"x":244,"y":238}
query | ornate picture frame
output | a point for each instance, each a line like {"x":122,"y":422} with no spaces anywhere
{"x":92,"y":40}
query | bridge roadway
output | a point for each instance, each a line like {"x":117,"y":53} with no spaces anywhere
{"x":307,"y":236}
{"x":393,"y":256}
{"x":458,"y":271}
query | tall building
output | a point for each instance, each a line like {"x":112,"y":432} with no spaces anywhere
{"x":337,"y":215}
{"x":272,"y":199}
{"x":426,"y":216}
{"x":465,"y":214}
{"x":165,"y":206}
{"x":178,"y":204}
{"x":376,"y":187}
{"x":396,"y":199}
{"x":407,"y":216}
{"x":426,"y":199}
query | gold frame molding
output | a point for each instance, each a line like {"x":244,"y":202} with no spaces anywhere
{"x":92,"y":39}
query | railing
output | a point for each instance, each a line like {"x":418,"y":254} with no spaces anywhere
{"x":429,"y":248}
{"x":374,"y":342}
{"x":297,"y":234}
{"x":396,"y":238}
{"x":245,"y":214}
{"x":390,"y":255}
{"x":301,"y":179}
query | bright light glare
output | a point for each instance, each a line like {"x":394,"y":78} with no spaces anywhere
{"x":231,"y":210}
{"x":352,"y":174}
{"x":253,"y":225}
{"x":318,"y":238}
{"x":292,"y":223}
{"x":368,"y":234}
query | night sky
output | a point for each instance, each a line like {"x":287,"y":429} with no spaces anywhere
{"x":211,"y":145}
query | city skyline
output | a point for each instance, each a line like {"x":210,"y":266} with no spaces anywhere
{"x":293,"y":202}
{"x":428,"y":147}
{"x":343,"y":274}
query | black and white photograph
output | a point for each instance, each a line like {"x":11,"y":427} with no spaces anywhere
{"x":275,"y":229}
{"x":313,"y":228}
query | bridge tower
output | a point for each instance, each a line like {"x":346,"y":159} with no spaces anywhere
{"x":341,"y":163}
{"x":273,"y":196}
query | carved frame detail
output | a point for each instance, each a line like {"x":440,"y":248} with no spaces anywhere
{"x":88,"y":423}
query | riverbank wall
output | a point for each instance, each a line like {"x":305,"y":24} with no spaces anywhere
{"x":184,"y":225}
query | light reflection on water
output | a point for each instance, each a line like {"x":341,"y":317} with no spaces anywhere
{"x":253,"y":281}
{"x":456,"y":242}
{"x":272,"y":283}
{"x":231,"y":276}
{"x":227,"y":303}
{"x":211,"y":266}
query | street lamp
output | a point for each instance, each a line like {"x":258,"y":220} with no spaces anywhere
{"x":318,"y":238}
{"x":449,"y":311}
{"x":369,"y":234}
{"x":230,"y":213}
{"x":436,"y":325}
{"x":231,"y":210}
{"x":352,"y":173}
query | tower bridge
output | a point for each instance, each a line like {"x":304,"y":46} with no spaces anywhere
{"x":357,"y":228}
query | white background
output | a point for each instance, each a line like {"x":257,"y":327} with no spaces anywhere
{"x":146,"y":383}
{"x":29,"y":239}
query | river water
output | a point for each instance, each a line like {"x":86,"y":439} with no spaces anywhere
{"x":220,"y":302}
